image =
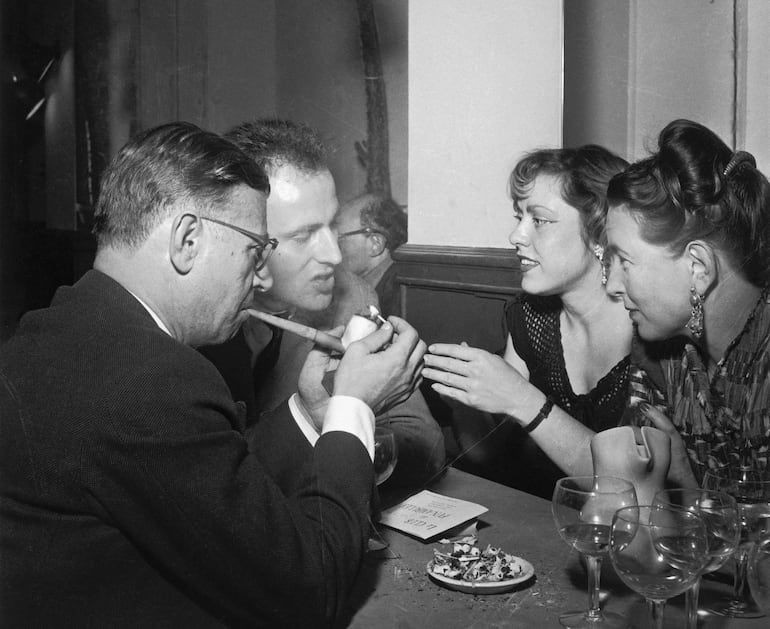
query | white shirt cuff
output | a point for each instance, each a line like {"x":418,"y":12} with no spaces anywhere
{"x":304,"y":423}
{"x":345,"y":413}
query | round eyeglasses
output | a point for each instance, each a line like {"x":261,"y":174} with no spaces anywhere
{"x":265,"y":245}
{"x":364,"y":230}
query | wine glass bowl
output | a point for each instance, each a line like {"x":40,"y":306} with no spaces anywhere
{"x":751,"y":489}
{"x":385,"y":454}
{"x":385,"y":459}
{"x":719,"y":513}
{"x":658,"y":551}
{"x":582,"y":508}
{"x":759,"y":573}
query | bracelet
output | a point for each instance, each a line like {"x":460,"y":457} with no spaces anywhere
{"x":541,"y":415}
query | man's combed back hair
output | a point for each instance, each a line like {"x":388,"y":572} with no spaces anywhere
{"x":175,"y":162}
{"x":383,"y":214}
{"x":583,"y":173}
{"x":686,"y":192}
{"x":273,"y":143}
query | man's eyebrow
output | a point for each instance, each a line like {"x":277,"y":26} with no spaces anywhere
{"x":308,"y":228}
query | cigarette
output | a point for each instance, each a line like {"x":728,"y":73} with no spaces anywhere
{"x":375,"y":314}
{"x":327,"y":341}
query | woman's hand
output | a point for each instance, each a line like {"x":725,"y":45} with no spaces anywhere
{"x":680,"y":471}
{"x":475,"y":378}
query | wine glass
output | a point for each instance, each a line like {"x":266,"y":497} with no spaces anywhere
{"x":719,"y":513}
{"x":582,"y":508}
{"x":385,"y":453}
{"x":751,"y":489}
{"x":759,"y":574}
{"x":659,"y":552}
{"x":385,"y":459}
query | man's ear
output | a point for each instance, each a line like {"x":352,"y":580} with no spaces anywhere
{"x":184,"y":243}
{"x":375,"y":244}
{"x":703,"y":265}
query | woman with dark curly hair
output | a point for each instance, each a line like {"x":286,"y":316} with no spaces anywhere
{"x":688,"y":232}
{"x":564,"y":372}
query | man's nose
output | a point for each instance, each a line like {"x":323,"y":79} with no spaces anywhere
{"x":328,"y":247}
{"x":262,"y":280}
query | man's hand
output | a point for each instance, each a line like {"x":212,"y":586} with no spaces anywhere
{"x":379,"y":374}
{"x":312,"y":393}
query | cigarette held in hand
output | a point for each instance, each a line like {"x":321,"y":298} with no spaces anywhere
{"x":374,"y":315}
{"x":327,"y":341}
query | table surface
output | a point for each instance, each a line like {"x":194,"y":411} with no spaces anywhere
{"x":394,"y":591}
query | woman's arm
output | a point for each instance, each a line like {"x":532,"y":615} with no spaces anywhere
{"x":493,"y":384}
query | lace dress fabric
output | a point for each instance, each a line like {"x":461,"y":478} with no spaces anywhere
{"x":538,"y":343}
{"x":724,"y":419}
{"x":534,"y":325}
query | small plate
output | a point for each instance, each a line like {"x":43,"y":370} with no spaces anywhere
{"x":483,"y":587}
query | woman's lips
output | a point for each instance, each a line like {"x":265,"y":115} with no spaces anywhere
{"x":526,"y":263}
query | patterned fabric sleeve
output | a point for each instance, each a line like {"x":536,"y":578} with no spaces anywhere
{"x":645,"y":384}
{"x":723,"y":418}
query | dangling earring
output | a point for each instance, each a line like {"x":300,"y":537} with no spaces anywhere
{"x":695,"y":324}
{"x":599,"y":253}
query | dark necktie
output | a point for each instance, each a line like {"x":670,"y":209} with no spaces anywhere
{"x":268,"y":357}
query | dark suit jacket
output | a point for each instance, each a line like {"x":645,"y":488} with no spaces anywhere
{"x":129,"y":496}
{"x":389,"y":292}
{"x":421,"y":451}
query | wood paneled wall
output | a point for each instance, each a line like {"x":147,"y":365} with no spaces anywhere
{"x":451,"y":295}
{"x":454,"y":294}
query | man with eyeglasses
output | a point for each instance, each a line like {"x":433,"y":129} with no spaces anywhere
{"x":308,"y":286}
{"x":371,"y":226}
{"x":262,"y":249}
{"x":129,"y":494}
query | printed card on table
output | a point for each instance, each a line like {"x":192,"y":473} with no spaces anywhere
{"x":428,"y":514}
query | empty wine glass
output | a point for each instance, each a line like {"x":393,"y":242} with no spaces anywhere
{"x":385,"y":453}
{"x":582,"y":508}
{"x":751,"y":489}
{"x":759,"y":574}
{"x":658,"y":552}
{"x":385,"y":459}
{"x":719,"y":513}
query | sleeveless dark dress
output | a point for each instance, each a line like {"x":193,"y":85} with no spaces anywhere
{"x":534,"y":326}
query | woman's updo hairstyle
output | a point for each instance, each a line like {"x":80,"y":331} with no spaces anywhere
{"x":583,"y":174}
{"x":696,"y":188}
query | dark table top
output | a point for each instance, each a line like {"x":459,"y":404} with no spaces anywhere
{"x":394,"y":591}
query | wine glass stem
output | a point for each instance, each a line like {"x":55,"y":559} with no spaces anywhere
{"x":740,"y":583}
{"x":691,"y":605}
{"x":594,"y":575}
{"x":655,"y":610}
